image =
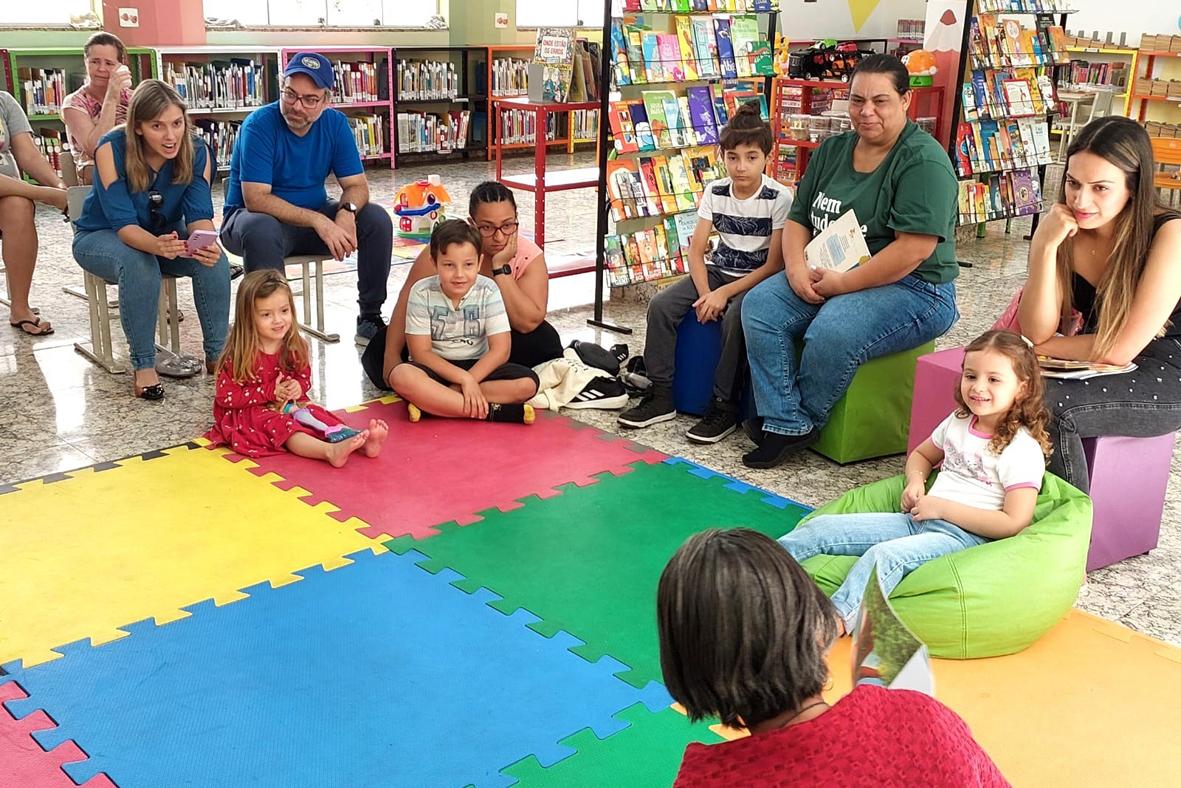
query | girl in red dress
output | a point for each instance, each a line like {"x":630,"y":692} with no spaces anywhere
{"x":263,"y":372}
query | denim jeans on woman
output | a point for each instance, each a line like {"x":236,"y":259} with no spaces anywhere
{"x":839,"y":335}
{"x":138,"y":276}
{"x":896,"y":542}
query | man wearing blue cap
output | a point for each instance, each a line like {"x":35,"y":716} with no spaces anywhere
{"x":276,"y":204}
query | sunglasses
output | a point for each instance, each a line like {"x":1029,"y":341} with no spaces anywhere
{"x":155,"y":216}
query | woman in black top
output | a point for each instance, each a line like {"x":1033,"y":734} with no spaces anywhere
{"x":1110,"y":250}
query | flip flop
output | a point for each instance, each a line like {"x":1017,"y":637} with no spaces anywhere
{"x":35,"y":323}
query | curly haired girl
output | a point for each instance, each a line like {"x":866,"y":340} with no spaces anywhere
{"x":993,"y":449}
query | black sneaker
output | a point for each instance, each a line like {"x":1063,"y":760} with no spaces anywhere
{"x":719,"y":421}
{"x":601,"y":392}
{"x":655,"y":407}
{"x":775,"y":448}
{"x":368,"y":326}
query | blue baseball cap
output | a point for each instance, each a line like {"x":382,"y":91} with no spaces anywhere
{"x":314,"y":65}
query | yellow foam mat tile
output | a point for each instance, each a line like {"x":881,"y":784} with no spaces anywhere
{"x":81,"y":557}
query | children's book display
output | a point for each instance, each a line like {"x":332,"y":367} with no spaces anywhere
{"x":551,"y":74}
{"x":1002,"y":141}
{"x":682,"y":68}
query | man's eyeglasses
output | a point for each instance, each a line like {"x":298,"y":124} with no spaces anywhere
{"x":155,"y":216}
{"x":506,"y":229}
{"x":310,"y":101}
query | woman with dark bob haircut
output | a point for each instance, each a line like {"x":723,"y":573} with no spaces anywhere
{"x":743,"y":636}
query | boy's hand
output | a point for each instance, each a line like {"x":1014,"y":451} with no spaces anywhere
{"x":710,"y":306}
{"x":928,"y":508}
{"x":912,"y":494}
{"x":474,"y":404}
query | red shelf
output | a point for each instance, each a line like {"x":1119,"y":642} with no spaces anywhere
{"x":561,"y":180}
{"x":787,"y":141}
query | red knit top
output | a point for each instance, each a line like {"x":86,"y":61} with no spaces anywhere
{"x":871,"y":737}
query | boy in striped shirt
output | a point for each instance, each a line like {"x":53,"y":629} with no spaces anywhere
{"x":747,"y":209}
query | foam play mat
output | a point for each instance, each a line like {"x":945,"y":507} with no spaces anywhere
{"x":475,"y":607}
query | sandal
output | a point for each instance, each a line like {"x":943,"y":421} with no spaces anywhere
{"x":45,"y":329}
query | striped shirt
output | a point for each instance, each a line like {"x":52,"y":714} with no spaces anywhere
{"x":457,"y":333}
{"x":744,"y":227}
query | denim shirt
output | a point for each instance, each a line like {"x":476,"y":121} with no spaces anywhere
{"x":116,"y":206}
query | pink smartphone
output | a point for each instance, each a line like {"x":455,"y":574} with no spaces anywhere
{"x":199,"y":240}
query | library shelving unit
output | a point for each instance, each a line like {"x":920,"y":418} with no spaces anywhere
{"x":1148,"y":89}
{"x":1096,"y":64}
{"x":797,"y":133}
{"x":523,"y":53}
{"x":1004,"y":111}
{"x":538,"y":182}
{"x":362,"y":93}
{"x":222,"y":85}
{"x":680,"y":75}
{"x":40,"y":78}
{"x":419,"y":107}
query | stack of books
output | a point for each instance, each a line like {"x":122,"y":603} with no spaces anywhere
{"x":219,"y":84}
{"x":427,"y":80}
{"x":510,"y":77}
{"x":43,"y":90}
{"x":996,"y":146}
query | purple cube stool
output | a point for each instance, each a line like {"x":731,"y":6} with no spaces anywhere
{"x":935,"y":377}
{"x":1128,"y":481}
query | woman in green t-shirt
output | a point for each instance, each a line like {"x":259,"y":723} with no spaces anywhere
{"x":899,"y":183}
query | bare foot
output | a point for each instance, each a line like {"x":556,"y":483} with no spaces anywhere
{"x":378,"y":432}
{"x":338,"y":453}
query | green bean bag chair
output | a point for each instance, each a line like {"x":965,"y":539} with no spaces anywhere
{"x":989,"y":600}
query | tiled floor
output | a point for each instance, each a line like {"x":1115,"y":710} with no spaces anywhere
{"x":64,"y":412}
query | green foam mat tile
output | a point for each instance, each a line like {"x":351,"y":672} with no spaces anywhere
{"x":646,"y":753}
{"x":588,"y":559}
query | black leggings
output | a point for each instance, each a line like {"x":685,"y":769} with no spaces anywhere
{"x":1139,"y":404}
{"x":536,"y":347}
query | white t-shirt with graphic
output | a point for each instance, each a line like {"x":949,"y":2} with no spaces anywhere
{"x":457,"y":333}
{"x":744,"y":227}
{"x":975,"y":476}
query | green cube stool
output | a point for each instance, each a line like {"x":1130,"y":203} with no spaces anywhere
{"x":872,"y":419}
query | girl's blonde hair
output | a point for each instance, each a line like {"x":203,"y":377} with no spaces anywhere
{"x":1029,"y":406}
{"x":1125,"y":144}
{"x":242,"y":346}
{"x":149,"y":100}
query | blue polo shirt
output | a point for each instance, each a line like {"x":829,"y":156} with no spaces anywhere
{"x":295,"y":167}
{"x":116,"y":206}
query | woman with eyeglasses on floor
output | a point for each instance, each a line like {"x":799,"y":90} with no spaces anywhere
{"x":151,"y":192}
{"x":515,"y":264}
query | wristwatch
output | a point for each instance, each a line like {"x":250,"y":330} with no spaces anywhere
{"x":351,"y":207}
{"x":504,"y":269}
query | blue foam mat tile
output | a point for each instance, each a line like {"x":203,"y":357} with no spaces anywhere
{"x":778,"y":501}
{"x":329,"y":681}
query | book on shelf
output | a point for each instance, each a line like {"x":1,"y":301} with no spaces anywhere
{"x":219,"y":84}
{"x":1026,"y":6}
{"x":986,"y":146}
{"x":369,"y":134}
{"x":1003,"y":195}
{"x":1022,"y":39}
{"x":552,"y":70}
{"x":518,"y":127}
{"x":663,"y":119}
{"x":510,"y":77}
{"x":426,"y":80}
{"x":43,"y":89}
{"x":220,"y":136}
{"x":51,"y":143}
{"x":354,"y":82}
{"x":686,"y":6}
{"x":659,"y":185}
{"x":422,"y":132}
{"x":722,"y":32}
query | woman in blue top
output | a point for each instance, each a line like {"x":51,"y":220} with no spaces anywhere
{"x":150,"y":193}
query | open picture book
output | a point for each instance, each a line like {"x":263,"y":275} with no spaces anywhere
{"x":1079,"y":370}
{"x":885,"y":652}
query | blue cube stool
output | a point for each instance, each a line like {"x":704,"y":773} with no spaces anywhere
{"x":697,"y":352}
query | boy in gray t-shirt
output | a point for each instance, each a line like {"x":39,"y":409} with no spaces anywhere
{"x":19,"y":155}
{"x":458,"y":336}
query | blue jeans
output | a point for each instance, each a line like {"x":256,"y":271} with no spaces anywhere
{"x":138,"y":275}
{"x":838,"y":336}
{"x":896,"y":542}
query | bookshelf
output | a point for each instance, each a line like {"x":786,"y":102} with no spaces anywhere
{"x":1005,"y":107}
{"x":802,"y":117}
{"x":40,"y":78}
{"x":432,"y":102}
{"x":222,"y":85}
{"x":580,"y":126}
{"x":680,"y":76}
{"x":1101,"y":64}
{"x":1159,"y":54}
{"x":363,"y":76}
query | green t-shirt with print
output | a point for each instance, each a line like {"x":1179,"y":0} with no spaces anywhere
{"x":913,"y":190}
